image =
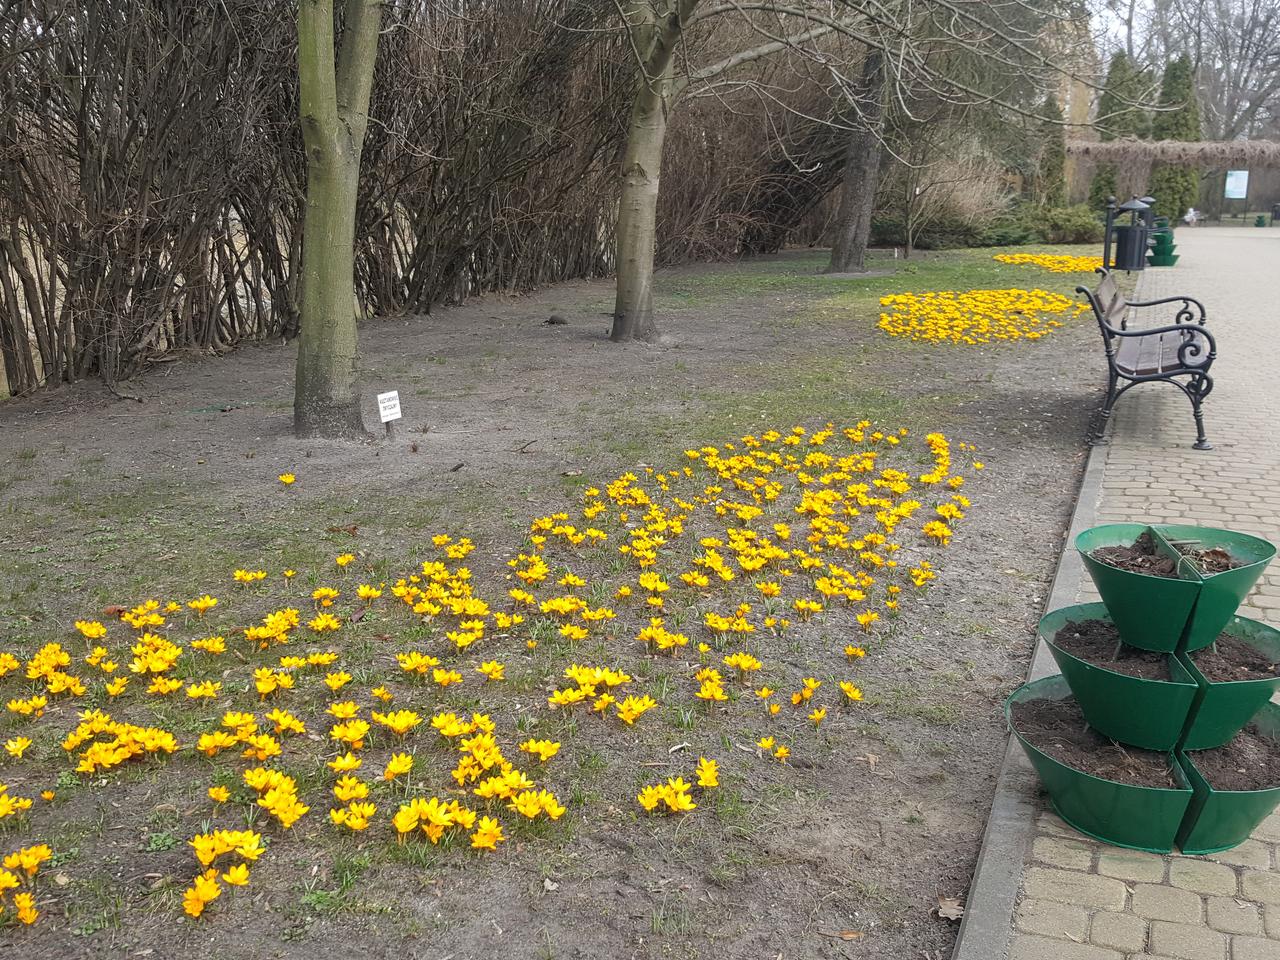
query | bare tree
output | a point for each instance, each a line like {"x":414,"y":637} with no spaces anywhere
{"x":963,"y":51}
{"x":657,"y":32}
{"x":1234,"y":45}
{"x":334,"y":100}
{"x":861,"y":173}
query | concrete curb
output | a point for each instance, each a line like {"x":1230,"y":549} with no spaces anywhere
{"x":987,"y":927}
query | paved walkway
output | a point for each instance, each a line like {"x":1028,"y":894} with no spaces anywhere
{"x":1043,"y":891}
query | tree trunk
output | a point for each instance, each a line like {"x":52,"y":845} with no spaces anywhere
{"x":638,"y":210}
{"x":861,"y":174}
{"x":326,"y":396}
{"x":334,"y":89}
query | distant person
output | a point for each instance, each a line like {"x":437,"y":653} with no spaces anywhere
{"x":1190,"y":217}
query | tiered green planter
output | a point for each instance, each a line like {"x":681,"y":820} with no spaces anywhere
{"x":1224,"y":708}
{"x":1156,"y":613}
{"x":1151,"y":613}
{"x":1145,"y":818}
{"x":1145,"y":713}
{"x":1178,"y":616}
{"x":1221,"y":819}
{"x":1162,"y":249}
{"x":1220,"y":593}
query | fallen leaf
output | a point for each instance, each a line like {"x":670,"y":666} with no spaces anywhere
{"x":844,"y":934}
{"x":870,"y":760}
{"x":950,"y":908}
{"x":571,"y":473}
{"x":549,"y":885}
{"x":114,"y":610}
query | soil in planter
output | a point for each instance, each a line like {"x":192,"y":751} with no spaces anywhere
{"x":1096,"y":642}
{"x":1249,"y":762}
{"x":1140,"y":557}
{"x":1208,"y":561}
{"x":1057,"y":728}
{"x":1233,"y":660}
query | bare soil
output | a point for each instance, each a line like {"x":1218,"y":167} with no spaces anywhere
{"x":1098,"y":642}
{"x":1142,"y":556}
{"x":1058,"y":728}
{"x":1250,"y":761}
{"x":1232,"y":658}
{"x":165,"y":488}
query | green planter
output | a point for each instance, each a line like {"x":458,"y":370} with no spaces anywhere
{"x":1225,"y":708}
{"x":1142,"y":713}
{"x":1221,"y":593}
{"x":1150,"y":612}
{"x":1222,"y":819}
{"x":1144,"y":818}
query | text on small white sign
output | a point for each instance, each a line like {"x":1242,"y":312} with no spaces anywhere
{"x":389,"y":406}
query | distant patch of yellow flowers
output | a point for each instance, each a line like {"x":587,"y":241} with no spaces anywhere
{"x":975,"y":317}
{"x":1053,"y":262}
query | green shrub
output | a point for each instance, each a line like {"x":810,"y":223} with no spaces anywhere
{"x":1078,"y":224}
{"x":945,"y":234}
{"x":1021,"y":224}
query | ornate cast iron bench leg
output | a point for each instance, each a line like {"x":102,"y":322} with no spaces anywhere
{"x":1200,"y":387}
{"x":1100,"y":437}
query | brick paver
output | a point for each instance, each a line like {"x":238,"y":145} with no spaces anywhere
{"x":1139,"y":906}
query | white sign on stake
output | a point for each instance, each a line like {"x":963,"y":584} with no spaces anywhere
{"x":1237,"y":187}
{"x":389,"y":406}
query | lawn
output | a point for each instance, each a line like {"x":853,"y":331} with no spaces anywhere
{"x":835,"y":823}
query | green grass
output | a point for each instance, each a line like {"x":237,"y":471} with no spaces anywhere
{"x":692,"y":288}
{"x":347,"y":870}
{"x":956,"y":270}
{"x":833,"y":382}
{"x":112,"y":538}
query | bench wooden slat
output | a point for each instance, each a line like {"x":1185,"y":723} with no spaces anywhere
{"x":1151,"y":355}
{"x":1169,"y":344}
{"x":1140,"y":356}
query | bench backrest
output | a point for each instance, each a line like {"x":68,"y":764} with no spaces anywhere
{"x":1109,"y":309}
{"x":1111,"y":301}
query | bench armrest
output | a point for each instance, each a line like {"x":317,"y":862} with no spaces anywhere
{"x":1192,"y":348}
{"x":1183,"y":314}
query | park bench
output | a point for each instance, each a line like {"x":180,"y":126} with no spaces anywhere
{"x":1179,"y":353}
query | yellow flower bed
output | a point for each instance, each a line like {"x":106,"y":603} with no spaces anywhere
{"x":635,"y":598}
{"x":1053,"y":262}
{"x":975,"y":316}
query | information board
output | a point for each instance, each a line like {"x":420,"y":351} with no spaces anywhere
{"x":1237,"y":185}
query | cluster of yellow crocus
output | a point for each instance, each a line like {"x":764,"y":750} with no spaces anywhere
{"x":974,"y":317}
{"x":821,"y":525}
{"x":1053,"y":262}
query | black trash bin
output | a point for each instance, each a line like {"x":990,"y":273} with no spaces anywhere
{"x":1275,"y":213}
{"x":1131,"y":246}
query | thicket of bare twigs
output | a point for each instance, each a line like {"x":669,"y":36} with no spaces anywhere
{"x":151,"y":169}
